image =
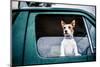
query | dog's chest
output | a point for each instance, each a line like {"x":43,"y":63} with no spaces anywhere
{"x":68,"y":46}
{"x":68,"y":42}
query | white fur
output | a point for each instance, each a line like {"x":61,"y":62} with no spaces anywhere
{"x":69,"y":48}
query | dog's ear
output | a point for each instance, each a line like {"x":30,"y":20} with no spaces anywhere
{"x":73,"y":23}
{"x":62,"y":23}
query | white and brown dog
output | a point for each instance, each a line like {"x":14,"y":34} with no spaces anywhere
{"x":68,"y":44}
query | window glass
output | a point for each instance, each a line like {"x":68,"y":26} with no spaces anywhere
{"x":92,"y":32}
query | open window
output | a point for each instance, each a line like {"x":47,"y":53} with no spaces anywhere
{"x":49,"y":34}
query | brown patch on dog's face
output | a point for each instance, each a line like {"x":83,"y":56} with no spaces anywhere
{"x":70,"y":27}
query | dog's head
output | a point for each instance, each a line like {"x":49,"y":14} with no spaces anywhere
{"x":68,"y":29}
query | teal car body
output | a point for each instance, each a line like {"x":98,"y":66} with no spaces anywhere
{"x":24,"y":48}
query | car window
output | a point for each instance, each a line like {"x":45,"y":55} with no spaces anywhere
{"x":49,"y":34}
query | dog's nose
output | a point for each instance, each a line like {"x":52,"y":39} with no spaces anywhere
{"x":65,"y":31}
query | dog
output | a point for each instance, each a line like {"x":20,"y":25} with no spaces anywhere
{"x":68,"y":44}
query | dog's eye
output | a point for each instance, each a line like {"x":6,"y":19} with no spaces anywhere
{"x":64,"y":27}
{"x":69,"y":27}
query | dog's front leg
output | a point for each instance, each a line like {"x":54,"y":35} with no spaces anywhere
{"x":62,"y":50}
{"x":76,"y":50}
